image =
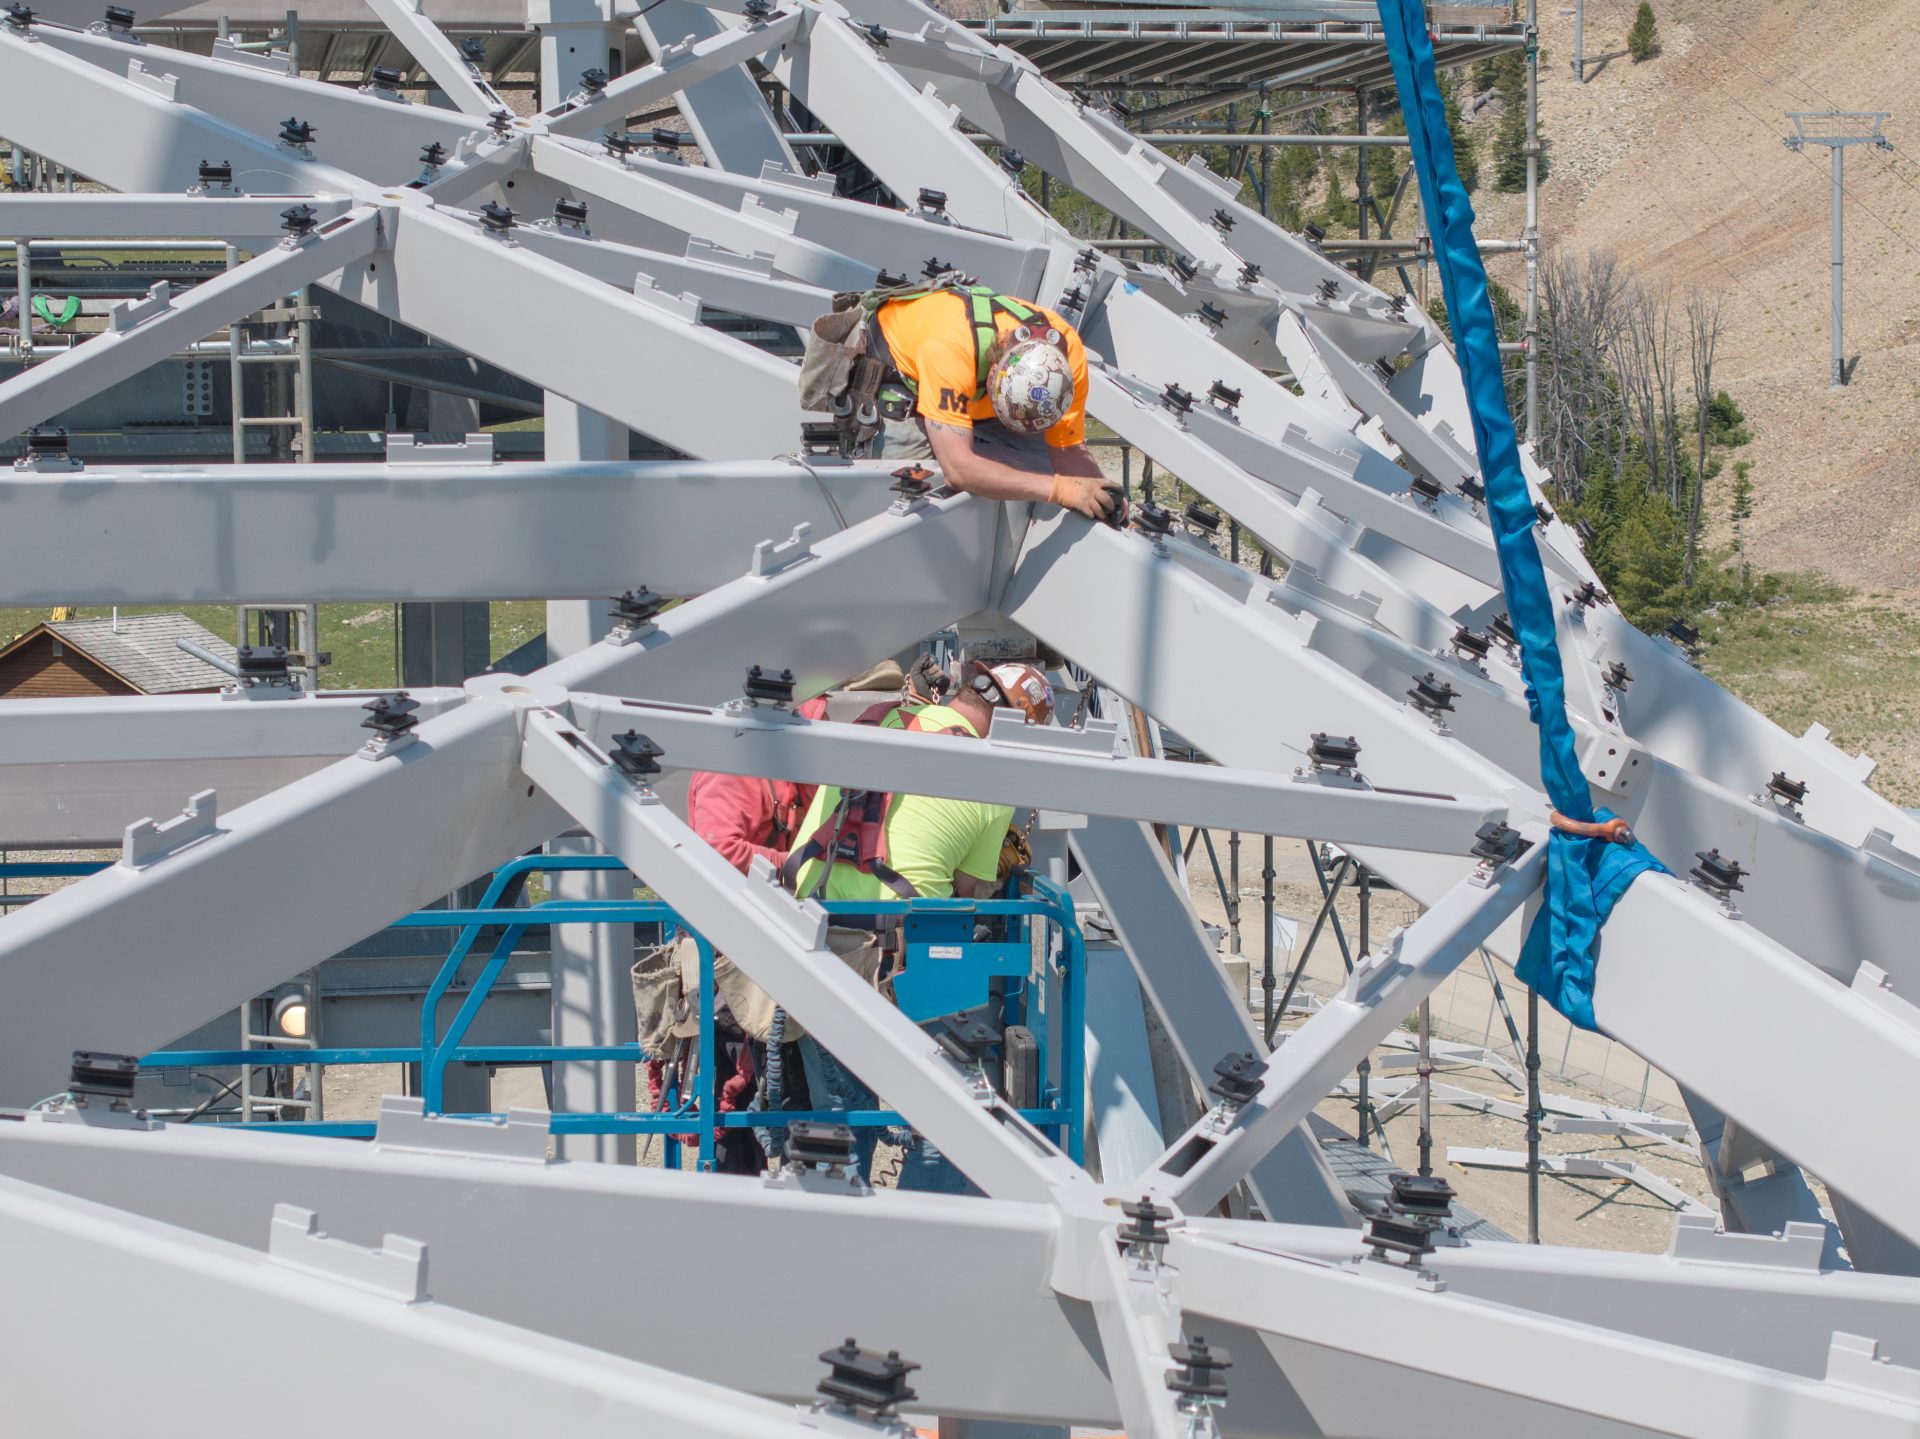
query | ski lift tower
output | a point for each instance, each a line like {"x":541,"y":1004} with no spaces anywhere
{"x":1837,"y":129}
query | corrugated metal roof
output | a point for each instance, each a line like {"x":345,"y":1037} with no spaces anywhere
{"x":1130,"y":48}
{"x":141,"y":650}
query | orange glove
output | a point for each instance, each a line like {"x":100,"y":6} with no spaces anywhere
{"x":1093,"y":498}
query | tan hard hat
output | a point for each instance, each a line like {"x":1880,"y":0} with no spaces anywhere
{"x":1019,"y":686}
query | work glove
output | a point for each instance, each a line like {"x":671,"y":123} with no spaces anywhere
{"x":1096,"y":499}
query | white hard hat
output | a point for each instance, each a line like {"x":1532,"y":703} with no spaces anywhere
{"x":1030,"y":383}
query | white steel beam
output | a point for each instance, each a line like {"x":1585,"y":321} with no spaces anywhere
{"x":77,"y":969}
{"x":746,"y":228}
{"x":781,"y":943}
{"x":363,"y":1311}
{"x":140,"y":134}
{"x":908,"y":140}
{"x":726,"y":112}
{"x":1174,"y":961}
{"x":378,"y":137}
{"x":79,"y":771}
{"x":1158,"y":632}
{"x":250,"y":222}
{"x":415,"y":530}
{"x":903,"y":241}
{"x":744,"y":285}
{"x":1047,"y":768}
{"x":717,"y":398}
{"x":462,"y":84}
{"x":1211,"y":1157}
{"x":1306,"y":1308}
{"x":678,"y":67}
{"x":149,"y":330}
{"x":430,"y":1179}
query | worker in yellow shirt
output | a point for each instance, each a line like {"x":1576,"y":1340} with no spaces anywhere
{"x":887,"y":847}
{"x":991,"y":388}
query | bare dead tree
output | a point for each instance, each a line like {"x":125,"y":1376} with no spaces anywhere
{"x":1704,"y":318}
{"x":1584,"y":302}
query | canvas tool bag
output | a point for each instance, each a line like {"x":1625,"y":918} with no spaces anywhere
{"x":666,"y":989}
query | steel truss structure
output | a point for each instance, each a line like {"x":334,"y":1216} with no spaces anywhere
{"x":510,"y":1287}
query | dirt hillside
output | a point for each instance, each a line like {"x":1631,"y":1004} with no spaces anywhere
{"x":1677,"y":166}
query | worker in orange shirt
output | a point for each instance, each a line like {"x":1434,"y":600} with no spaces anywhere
{"x":990,"y":388}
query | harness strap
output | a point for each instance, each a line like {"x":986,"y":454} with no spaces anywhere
{"x":982,"y":303}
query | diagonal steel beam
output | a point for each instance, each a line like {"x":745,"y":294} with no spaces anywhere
{"x":746,"y":227}
{"x":141,"y":133}
{"x":726,"y":111}
{"x":149,"y":330}
{"x":442,"y":260}
{"x":679,"y":66}
{"x":377,"y":136}
{"x":427,"y":43}
{"x":782,"y":945}
{"x":385,"y":836}
{"x":1223,"y":1145}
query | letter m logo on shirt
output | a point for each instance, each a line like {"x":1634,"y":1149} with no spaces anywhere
{"x":952,"y":403}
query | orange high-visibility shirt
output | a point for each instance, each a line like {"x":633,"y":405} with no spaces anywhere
{"x":932,"y":343}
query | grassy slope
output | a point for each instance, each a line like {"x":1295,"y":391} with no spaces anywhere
{"x":1852,"y":665}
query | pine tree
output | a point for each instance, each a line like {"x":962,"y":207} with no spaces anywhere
{"x":1510,"y":133}
{"x":1643,"y":41}
{"x":1466,"y":143}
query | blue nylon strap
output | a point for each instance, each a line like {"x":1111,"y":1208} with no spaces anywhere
{"x":1585,"y":877}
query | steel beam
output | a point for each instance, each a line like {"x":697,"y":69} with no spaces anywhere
{"x":78,"y":772}
{"x":1175,"y":964}
{"x":725,"y":111}
{"x":460,"y":82}
{"x":150,"y":330}
{"x":781,"y":943}
{"x":1073,"y":771}
{"x":746,"y":228}
{"x":351,"y":1309}
{"x":1501,"y":1364}
{"x":441,"y":260}
{"x":413,"y":530}
{"x":250,"y":222}
{"x":1386,"y":985}
{"x":378,"y":137}
{"x":678,"y":66}
{"x":742,"y":285}
{"x":509,"y":1240}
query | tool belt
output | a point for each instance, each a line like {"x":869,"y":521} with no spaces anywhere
{"x":847,"y":371}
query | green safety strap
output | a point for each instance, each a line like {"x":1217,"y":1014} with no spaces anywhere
{"x":981,"y":301}
{"x":69,"y":307}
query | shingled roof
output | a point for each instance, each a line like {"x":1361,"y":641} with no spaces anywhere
{"x":141,"y":650}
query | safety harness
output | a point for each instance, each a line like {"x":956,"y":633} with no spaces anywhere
{"x":856,"y":832}
{"x":847,"y":347}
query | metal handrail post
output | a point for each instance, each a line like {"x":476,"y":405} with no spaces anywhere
{"x":434,"y":1070}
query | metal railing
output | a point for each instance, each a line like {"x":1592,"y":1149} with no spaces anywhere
{"x":927,"y":924}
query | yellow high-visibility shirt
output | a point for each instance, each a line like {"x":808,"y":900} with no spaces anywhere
{"x":928,"y":839}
